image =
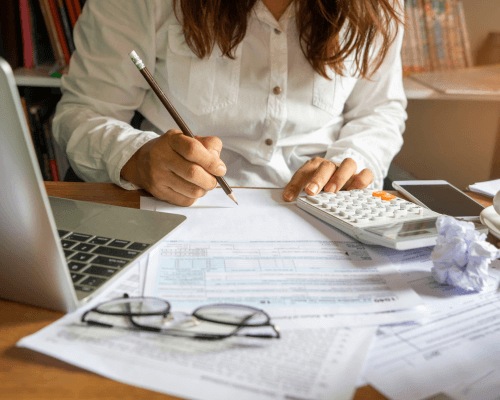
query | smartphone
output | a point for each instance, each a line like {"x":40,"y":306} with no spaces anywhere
{"x":441,"y":197}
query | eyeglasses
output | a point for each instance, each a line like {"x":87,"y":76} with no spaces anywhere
{"x":211,"y":322}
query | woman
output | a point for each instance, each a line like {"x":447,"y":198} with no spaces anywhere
{"x":302,"y":93}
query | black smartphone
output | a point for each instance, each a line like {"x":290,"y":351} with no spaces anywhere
{"x":441,"y":197}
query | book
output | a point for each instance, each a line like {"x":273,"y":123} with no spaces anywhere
{"x":484,"y":80}
{"x":429,"y":29}
{"x":43,"y":53}
{"x":66,"y":26}
{"x":61,"y":158}
{"x":26,"y":29}
{"x":77,"y":7}
{"x":454,"y":36}
{"x":39,"y":141}
{"x":10,"y":33}
{"x":71,"y":12}
{"x":59,"y":29}
{"x":425,"y":39}
{"x":419,"y":42}
{"x":438,"y":36}
{"x":49,"y":143}
{"x":464,"y":34}
{"x":52,"y":31}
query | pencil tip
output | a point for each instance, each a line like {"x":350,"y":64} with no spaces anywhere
{"x":231,"y":196}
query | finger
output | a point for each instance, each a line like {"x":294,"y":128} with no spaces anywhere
{"x":322,"y":175}
{"x":176,"y":190}
{"x":193,"y":150}
{"x":341,"y":175}
{"x":361,"y":180}
{"x":211,"y":143}
{"x":170,"y":195}
{"x":300,"y":179}
{"x":190,"y":172}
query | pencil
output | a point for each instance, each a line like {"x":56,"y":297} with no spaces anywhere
{"x":173,"y":112}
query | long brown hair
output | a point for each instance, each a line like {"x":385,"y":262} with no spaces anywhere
{"x":207,"y":23}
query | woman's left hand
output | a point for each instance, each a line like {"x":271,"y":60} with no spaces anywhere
{"x":318,"y":173}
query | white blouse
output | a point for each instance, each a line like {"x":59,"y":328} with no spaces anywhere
{"x":271,"y":110}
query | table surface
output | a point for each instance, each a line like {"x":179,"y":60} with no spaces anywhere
{"x":26,"y":374}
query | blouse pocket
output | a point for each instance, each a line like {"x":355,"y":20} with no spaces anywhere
{"x":202,"y":85}
{"x":331,"y":95}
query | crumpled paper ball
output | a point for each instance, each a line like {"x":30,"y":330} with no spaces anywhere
{"x":461,"y":256}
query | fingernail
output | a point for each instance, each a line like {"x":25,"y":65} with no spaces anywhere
{"x":221,"y":170}
{"x":288,"y":195}
{"x":312,"y":187}
{"x":333,"y":188}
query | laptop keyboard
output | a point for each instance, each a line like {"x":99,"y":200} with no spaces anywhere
{"x":92,"y":260}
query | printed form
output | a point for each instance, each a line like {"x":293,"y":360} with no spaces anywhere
{"x":270,"y":254}
{"x":454,"y":352}
{"x":314,"y":364}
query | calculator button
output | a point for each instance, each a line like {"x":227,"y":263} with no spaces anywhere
{"x":400,"y":213}
{"x":346,"y":213}
{"x":361,"y":219}
{"x":314,"y":199}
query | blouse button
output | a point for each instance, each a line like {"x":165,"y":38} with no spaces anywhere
{"x":269,"y":142}
{"x":277,"y":90}
{"x":277,"y":31}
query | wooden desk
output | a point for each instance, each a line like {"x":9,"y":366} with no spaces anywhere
{"x":25,"y":374}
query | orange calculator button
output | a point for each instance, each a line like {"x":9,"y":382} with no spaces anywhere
{"x":380,"y":193}
{"x":388,"y":197}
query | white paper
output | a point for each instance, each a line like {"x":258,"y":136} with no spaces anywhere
{"x":457,"y":344}
{"x":488,"y":188}
{"x":485,"y":387}
{"x":271,"y":254}
{"x":303,"y":364}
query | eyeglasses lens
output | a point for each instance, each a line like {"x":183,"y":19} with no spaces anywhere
{"x":139,"y":306}
{"x":232,"y":314}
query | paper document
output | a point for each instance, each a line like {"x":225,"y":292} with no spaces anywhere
{"x":488,"y":188}
{"x":294,"y":281}
{"x":271,"y":254}
{"x":458,"y":343}
{"x":303,"y":364}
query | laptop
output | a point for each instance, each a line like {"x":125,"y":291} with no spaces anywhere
{"x":57,"y":253}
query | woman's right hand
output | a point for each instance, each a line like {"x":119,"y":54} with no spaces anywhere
{"x":176,"y":168}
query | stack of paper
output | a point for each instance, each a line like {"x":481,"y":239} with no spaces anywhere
{"x":488,"y":188}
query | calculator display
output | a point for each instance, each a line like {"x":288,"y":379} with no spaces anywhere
{"x":405,"y":230}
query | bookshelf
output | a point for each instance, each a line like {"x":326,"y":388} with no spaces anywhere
{"x":37,"y":77}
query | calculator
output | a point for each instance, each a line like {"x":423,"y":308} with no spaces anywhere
{"x":375,"y":217}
